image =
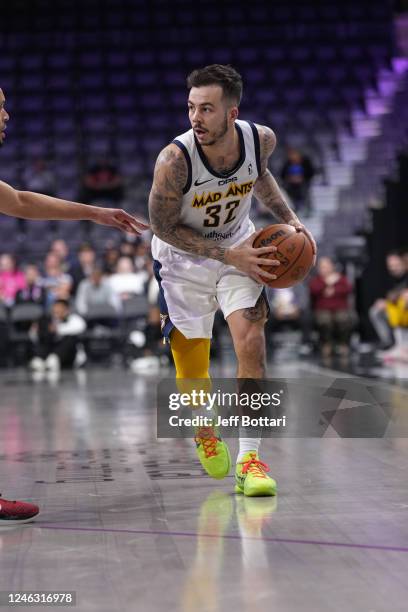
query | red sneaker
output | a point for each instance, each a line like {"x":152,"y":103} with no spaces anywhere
{"x":16,"y":512}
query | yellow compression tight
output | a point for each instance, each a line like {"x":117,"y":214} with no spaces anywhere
{"x":192,"y":360}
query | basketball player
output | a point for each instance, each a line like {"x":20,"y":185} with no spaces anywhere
{"x":27,"y":205}
{"x":202,"y":245}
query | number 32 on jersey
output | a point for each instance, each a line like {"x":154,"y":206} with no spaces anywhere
{"x":214,"y":216}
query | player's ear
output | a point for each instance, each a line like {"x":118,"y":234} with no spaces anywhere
{"x":234,"y":112}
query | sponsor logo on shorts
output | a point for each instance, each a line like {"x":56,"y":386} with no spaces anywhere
{"x":219,"y":235}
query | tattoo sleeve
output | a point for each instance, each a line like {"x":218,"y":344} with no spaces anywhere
{"x":165,"y":201}
{"x":266,"y":188}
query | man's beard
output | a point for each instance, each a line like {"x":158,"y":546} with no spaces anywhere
{"x":220,"y":134}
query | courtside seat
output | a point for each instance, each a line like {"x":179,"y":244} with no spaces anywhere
{"x":117,"y":60}
{"x":90,"y":81}
{"x":222,"y":56}
{"x":63,"y":125}
{"x":123,"y":102}
{"x":30,"y":63}
{"x":7,"y":63}
{"x":255,"y":77}
{"x":22,"y":316}
{"x":142,"y":80}
{"x":97,"y":124}
{"x":168,"y":57}
{"x":134,"y":311}
{"x":89,"y":60}
{"x":60,"y":104}
{"x":65,"y":147}
{"x":35,"y":103}
{"x":151,"y":100}
{"x":57,"y":82}
{"x":59,"y":61}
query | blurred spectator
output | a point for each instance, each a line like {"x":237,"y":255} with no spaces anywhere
{"x":110,"y":259}
{"x":404,"y":256}
{"x":330,"y":292}
{"x":58,"y":336}
{"x":142,"y":255}
{"x":38,"y":177}
{"x":61,"y":249}
{"x":11,"y":279}
{"x":152,"y":286}
{"x":33,"y":292}
{"x":297,"y":173}
{"x":102,"y":182}
{"x":397,"y":282}
{"x":127,"y":249}
{"x":86,"y":259}
{"x":152,"y":353}
{"x":126,"y":282}
{"x":397,"y":312}
{"x":290,"y":308}
{"x":57,"y":282}
{"x":95,"y":290}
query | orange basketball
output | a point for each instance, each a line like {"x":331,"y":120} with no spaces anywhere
{"x":295,"y":253}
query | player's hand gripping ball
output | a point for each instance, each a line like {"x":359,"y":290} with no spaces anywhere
{"x":294,"y":251}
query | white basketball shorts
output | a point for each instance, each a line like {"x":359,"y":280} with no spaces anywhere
{"x":193,"y":288}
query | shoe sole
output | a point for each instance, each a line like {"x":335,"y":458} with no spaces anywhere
{"x":14,"y":522}
{"x":241,"y":491}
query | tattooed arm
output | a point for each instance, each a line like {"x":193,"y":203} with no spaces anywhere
{"x":267,"y":191}
{"x":165,"y":201}
{"x":170,"y":176}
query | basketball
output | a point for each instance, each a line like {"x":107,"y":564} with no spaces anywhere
{"x":294,"y":251}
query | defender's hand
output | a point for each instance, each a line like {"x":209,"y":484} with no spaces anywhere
{"x":119,"y":219}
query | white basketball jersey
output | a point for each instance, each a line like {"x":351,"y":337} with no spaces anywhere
{"x":217,"y":205}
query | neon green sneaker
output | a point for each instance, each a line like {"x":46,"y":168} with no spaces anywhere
{"x":212,"y":452}
{"x":251,"y":478}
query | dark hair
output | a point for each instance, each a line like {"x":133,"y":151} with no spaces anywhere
{"x":225,"y":76}
{"x":62,"y":302}
{"x":85,"y":246}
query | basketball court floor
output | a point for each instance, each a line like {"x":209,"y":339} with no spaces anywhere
{"x":130,"y":522}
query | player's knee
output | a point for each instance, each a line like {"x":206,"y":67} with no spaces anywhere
{"x":191,"y":356}
{"x":251,"y":343}
{"x":189,"y":370}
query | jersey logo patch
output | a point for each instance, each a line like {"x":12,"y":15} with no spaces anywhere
{"x":197,"y":184}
